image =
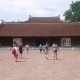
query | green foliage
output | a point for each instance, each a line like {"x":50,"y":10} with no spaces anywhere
{"x":73,"y":14}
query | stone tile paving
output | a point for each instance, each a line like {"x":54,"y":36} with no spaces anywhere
{"x":34,"y":66}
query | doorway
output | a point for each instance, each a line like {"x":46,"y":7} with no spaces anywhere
{"x":40,"y":41}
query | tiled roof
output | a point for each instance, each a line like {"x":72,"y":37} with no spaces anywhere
{"x":40,"y":29}
{"x":44,"y":19}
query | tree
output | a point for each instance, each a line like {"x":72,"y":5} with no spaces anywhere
{"x":73,"y":14}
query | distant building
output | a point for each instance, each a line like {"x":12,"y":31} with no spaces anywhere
{"x":39,"y":30}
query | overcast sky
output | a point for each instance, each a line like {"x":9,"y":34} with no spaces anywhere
{"x":14,"y":10}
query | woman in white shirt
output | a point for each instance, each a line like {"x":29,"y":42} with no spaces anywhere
{"x":16,"y":49}
{"x":55,"y":48}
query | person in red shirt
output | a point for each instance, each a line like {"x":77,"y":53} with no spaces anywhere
{"x":21,"y":49}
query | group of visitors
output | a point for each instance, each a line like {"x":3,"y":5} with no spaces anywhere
{"x":45,"y":49}
{"x":17,"y":50}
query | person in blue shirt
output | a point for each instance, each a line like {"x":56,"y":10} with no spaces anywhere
{"x":40,"y":48}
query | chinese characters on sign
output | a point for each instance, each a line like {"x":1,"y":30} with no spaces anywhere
{"x":66,"y":42}
{"x":17,"y":40}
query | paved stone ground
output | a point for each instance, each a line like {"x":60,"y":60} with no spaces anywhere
{"x":34,"y":66}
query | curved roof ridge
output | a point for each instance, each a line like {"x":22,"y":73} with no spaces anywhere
{"x":45,"y":17}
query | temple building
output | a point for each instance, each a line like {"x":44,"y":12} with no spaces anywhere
{"x":39,"y":30}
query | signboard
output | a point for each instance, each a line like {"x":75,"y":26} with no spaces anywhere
{"x":17,"y":40}
{"x":66,"y":42}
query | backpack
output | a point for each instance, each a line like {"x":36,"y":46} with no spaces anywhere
{"x":13,"y":51}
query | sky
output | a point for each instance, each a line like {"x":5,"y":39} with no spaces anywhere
{"x":19,"y":10}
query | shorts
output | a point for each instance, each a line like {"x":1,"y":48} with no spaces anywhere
{"x":40,"y":49}
{"x":46,"y":50}
{"x":20,"y":51}
{"x":54,"y":50}
{"x":27,"y":48}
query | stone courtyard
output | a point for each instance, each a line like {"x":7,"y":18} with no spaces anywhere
{"x":34,"y":66}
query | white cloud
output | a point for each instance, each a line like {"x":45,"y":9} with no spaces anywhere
{"x":21,"y":9}
{"x":40,"y":12}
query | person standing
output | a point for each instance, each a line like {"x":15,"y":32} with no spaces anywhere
{"x":21,"y":49}
{"x":55,"y":49}
{"x":40,"y":48}
{"x":43,"y":48}
{"x":27,"y":47}
{"x":46,"y":51}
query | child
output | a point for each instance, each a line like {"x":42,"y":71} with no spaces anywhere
{"x":40,"y":48}
{"x":27,"y":47}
